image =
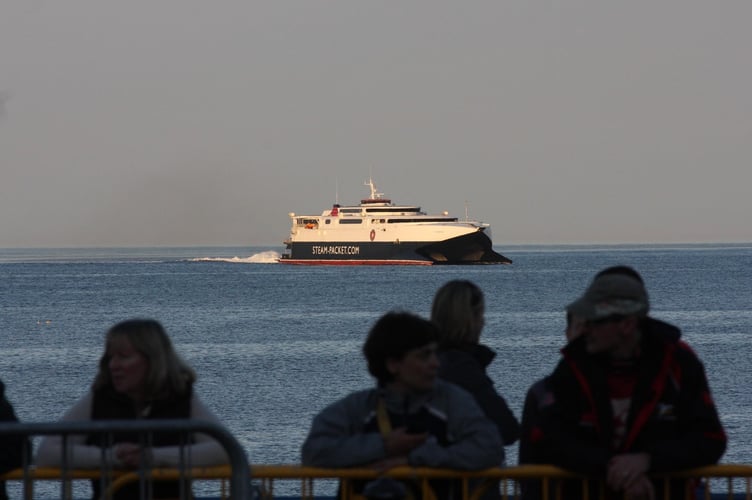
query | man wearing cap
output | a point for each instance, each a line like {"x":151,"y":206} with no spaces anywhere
{"x":628,"y":398}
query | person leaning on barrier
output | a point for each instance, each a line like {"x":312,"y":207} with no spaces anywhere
{"x":629,"y":398}
{"x":12,"y":447}
{"x":538,"y":397}
{"x":140,"y":377}
{"x":539,"y":394}
{"x":411,"y":417}
{"x":458,"y":310}
{"x":537,"y":400}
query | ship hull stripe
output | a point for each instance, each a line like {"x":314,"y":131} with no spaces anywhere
{"x":473,"y":248}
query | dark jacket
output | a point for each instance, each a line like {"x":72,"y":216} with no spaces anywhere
{"x":11,"y":447}
{"x":466,"y":366}
{"x":110,"y":405}
{"x":538,"y":398}
{"x":568,"y":419}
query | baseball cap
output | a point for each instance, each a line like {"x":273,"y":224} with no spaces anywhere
{"x":610,"y":295}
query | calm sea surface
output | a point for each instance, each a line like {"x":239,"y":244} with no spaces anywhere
{"x":273,"y":344}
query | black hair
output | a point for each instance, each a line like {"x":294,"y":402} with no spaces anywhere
{"x":393,"y":336}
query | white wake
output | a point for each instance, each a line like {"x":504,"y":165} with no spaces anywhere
{"x":268,"y":257}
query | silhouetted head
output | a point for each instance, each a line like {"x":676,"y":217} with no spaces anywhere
{"x":614,"y":308}
{"x":139,"y":361}
{"x":575,"y":323}
{"x":394,"y":336}
{"x":458,"y":310}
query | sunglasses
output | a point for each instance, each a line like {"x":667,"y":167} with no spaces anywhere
{"x":614,"y":318}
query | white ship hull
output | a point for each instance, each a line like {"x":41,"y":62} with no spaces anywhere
{"x":378,"y":232}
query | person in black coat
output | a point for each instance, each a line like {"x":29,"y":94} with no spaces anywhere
{"x":11,"y":447}
{"x":458,"y":310}
{"x":629,"y":399}
{"x":539,"y":396}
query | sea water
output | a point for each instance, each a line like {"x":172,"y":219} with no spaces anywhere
{"x":273,"y":344}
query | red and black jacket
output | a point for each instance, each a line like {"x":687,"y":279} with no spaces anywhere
{"x":672,"y":416}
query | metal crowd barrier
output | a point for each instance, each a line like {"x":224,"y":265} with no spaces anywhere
{"x":238,"y":472}
{"x":716,"y":482}
{"x":713,"y":482}
{"x":719,"y":481}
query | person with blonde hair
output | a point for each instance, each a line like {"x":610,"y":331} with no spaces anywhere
{"x":459,"y":312}
{"x":140,"y":376}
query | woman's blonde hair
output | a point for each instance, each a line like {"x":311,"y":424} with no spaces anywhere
{"x":168,"y":374}
{"x":455,"y":310}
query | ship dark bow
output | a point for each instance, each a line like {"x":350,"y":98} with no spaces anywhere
{"x":473,"y":248}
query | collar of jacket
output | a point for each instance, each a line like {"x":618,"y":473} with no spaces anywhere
{"x":405,"y":403}
{"x":482,"y":353}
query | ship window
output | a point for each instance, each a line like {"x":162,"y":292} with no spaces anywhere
{"x":384,"y":210}
{"x":399,"y":221}
{"x":328,"y":221}
{"x":350,"y":221}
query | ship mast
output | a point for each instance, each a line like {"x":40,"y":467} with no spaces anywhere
{"x":374,"y":194}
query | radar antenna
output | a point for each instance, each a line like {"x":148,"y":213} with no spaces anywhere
{"x":375,"y":195}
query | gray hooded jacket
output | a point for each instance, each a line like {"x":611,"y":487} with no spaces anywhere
{"x":343,"y":434}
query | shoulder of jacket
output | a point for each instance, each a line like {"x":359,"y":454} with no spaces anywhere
{"x":359,"y":398}
{"x":686,"y":356}
{"x":456,"y":356}
{"x":449,"y":391}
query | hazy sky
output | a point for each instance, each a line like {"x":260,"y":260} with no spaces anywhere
{"x":186,"y":122}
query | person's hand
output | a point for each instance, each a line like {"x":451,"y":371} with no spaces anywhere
{"x":400,"y":443}
{"x":626,"y":468}
{"x":389,"y":463}
{"x":641,"y":488}
{"x":131,"y":454}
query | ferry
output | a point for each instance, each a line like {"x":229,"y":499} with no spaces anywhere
{"x":378,"y":232}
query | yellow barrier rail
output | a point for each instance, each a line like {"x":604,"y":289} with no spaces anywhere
{"x":719,"y":481}
{"x":117,"y":478}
